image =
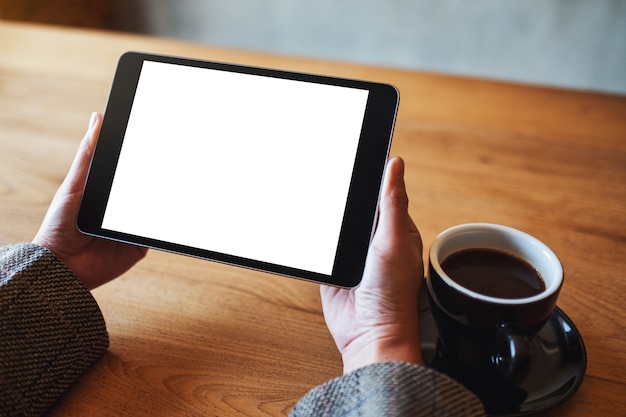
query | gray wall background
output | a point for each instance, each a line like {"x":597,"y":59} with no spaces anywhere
{"x":569,"y":43}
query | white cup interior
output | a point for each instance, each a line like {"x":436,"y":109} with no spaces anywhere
{"x":502,"y":238}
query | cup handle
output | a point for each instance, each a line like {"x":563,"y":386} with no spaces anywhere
{"x":510,"y":354}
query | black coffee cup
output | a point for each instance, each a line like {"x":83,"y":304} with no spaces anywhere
{"x":491,"y":289}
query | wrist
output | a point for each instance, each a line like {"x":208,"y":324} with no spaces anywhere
{"x":382,"y":349}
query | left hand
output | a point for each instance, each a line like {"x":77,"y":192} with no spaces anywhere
{"x":94,"y":261}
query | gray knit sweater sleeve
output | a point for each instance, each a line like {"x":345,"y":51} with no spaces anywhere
{"x":51,"y":330}
{"x":390,"y":389}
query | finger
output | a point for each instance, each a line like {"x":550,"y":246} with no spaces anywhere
{"x":75,"y":180}
{"x":415,"y":235}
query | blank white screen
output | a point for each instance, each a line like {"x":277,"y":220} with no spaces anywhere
{"x":245,"y":165}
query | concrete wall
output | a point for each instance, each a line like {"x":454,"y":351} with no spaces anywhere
{"x":570,"y":43}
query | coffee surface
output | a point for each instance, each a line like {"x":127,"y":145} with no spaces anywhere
{"x":493,"y":273}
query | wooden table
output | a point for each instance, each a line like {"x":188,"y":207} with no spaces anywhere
{"x":195,"y":338}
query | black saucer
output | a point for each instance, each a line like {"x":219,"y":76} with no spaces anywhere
{"x":557,"y":366}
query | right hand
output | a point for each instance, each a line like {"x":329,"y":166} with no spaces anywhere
{"x":378,"y":320}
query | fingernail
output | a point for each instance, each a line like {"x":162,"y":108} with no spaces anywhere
{"x":92,"y":120}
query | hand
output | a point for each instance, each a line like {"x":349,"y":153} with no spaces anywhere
{"x":378,"y":320}
{"x":94,"y":261}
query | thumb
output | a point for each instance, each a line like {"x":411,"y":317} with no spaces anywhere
{"x":394,"y":204}
{"x":75,"y":180}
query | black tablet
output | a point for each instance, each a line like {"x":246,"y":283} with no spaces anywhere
{"x":271,"y":170}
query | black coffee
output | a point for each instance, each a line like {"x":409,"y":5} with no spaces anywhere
{"x":493,"y":273}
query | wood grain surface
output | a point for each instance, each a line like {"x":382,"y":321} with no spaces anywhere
{"x":195,"y":338}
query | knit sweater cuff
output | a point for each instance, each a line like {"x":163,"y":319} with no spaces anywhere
{"x":51,"y":326}
{"x":390,"y":389}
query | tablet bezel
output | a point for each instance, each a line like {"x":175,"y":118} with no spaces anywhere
{"x":361,"y":206}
